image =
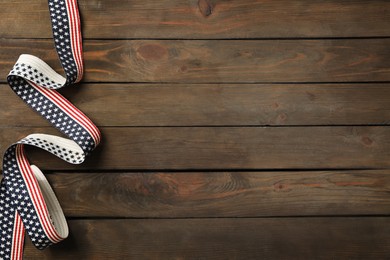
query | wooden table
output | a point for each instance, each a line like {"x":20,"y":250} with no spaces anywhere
{"x":246,"y":129}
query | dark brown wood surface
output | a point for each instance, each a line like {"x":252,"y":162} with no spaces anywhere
{"x":269,"y":238}
{"x":223,"y":194}
{"x":247,"y":129}
{"x":206,"y":19}
{"x":178,"y":148}
{"x":219,"y":61}
{"x":216,"y":104}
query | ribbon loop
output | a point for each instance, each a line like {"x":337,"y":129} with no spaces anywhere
{"x":27,"y":202}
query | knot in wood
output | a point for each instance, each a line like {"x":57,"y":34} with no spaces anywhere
{"x":206,"y":7}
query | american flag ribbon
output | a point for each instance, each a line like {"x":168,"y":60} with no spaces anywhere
{"x":27,"y":202}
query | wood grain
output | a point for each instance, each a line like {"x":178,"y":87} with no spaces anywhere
{"x":219,"y":61}
{"x":215,"y":104}
{"x":269,"y":238}
{"x":225,"y":148}
{"x":222,"y":194}
{"x":184,"y":92}
{"x":206,"y":19}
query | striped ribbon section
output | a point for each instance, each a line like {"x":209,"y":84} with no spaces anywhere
{"x":27,"y":202}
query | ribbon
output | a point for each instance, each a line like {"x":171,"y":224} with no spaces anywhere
{"x":27,"y":202}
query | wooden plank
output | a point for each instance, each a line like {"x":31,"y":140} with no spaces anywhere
{"x":215,"y":104}
{"x":226,"y":148}
{"x":219,"y":61}
{"x":222,"y":194}
{"x":269,"y":238}
{"x":206,"y":19}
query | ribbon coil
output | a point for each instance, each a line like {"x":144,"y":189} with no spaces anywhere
{"x":27,"y":202}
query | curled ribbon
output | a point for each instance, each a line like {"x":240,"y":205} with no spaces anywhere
{"x":27,"y":202}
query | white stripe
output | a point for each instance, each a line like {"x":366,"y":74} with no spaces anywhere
{"x":52,"y":204}
{"x":39,"y":64}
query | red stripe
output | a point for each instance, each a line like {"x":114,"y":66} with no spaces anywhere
{"x":85,"y":119}
{"x":31,"y":189}
{"x":71,"y":26}
{"x":15,"y":236}
{"x":78,"y":39}
{"x":75,"y":48}
{"x":42,"y":204}
{"x":36,"y":197}
{"x":39,"y":203}
{"x":74,"y":36}
{"x":17,"y":250}
{"x":25,"y":175}
{"x":19,"y":237}
{"x":71,"y":110}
